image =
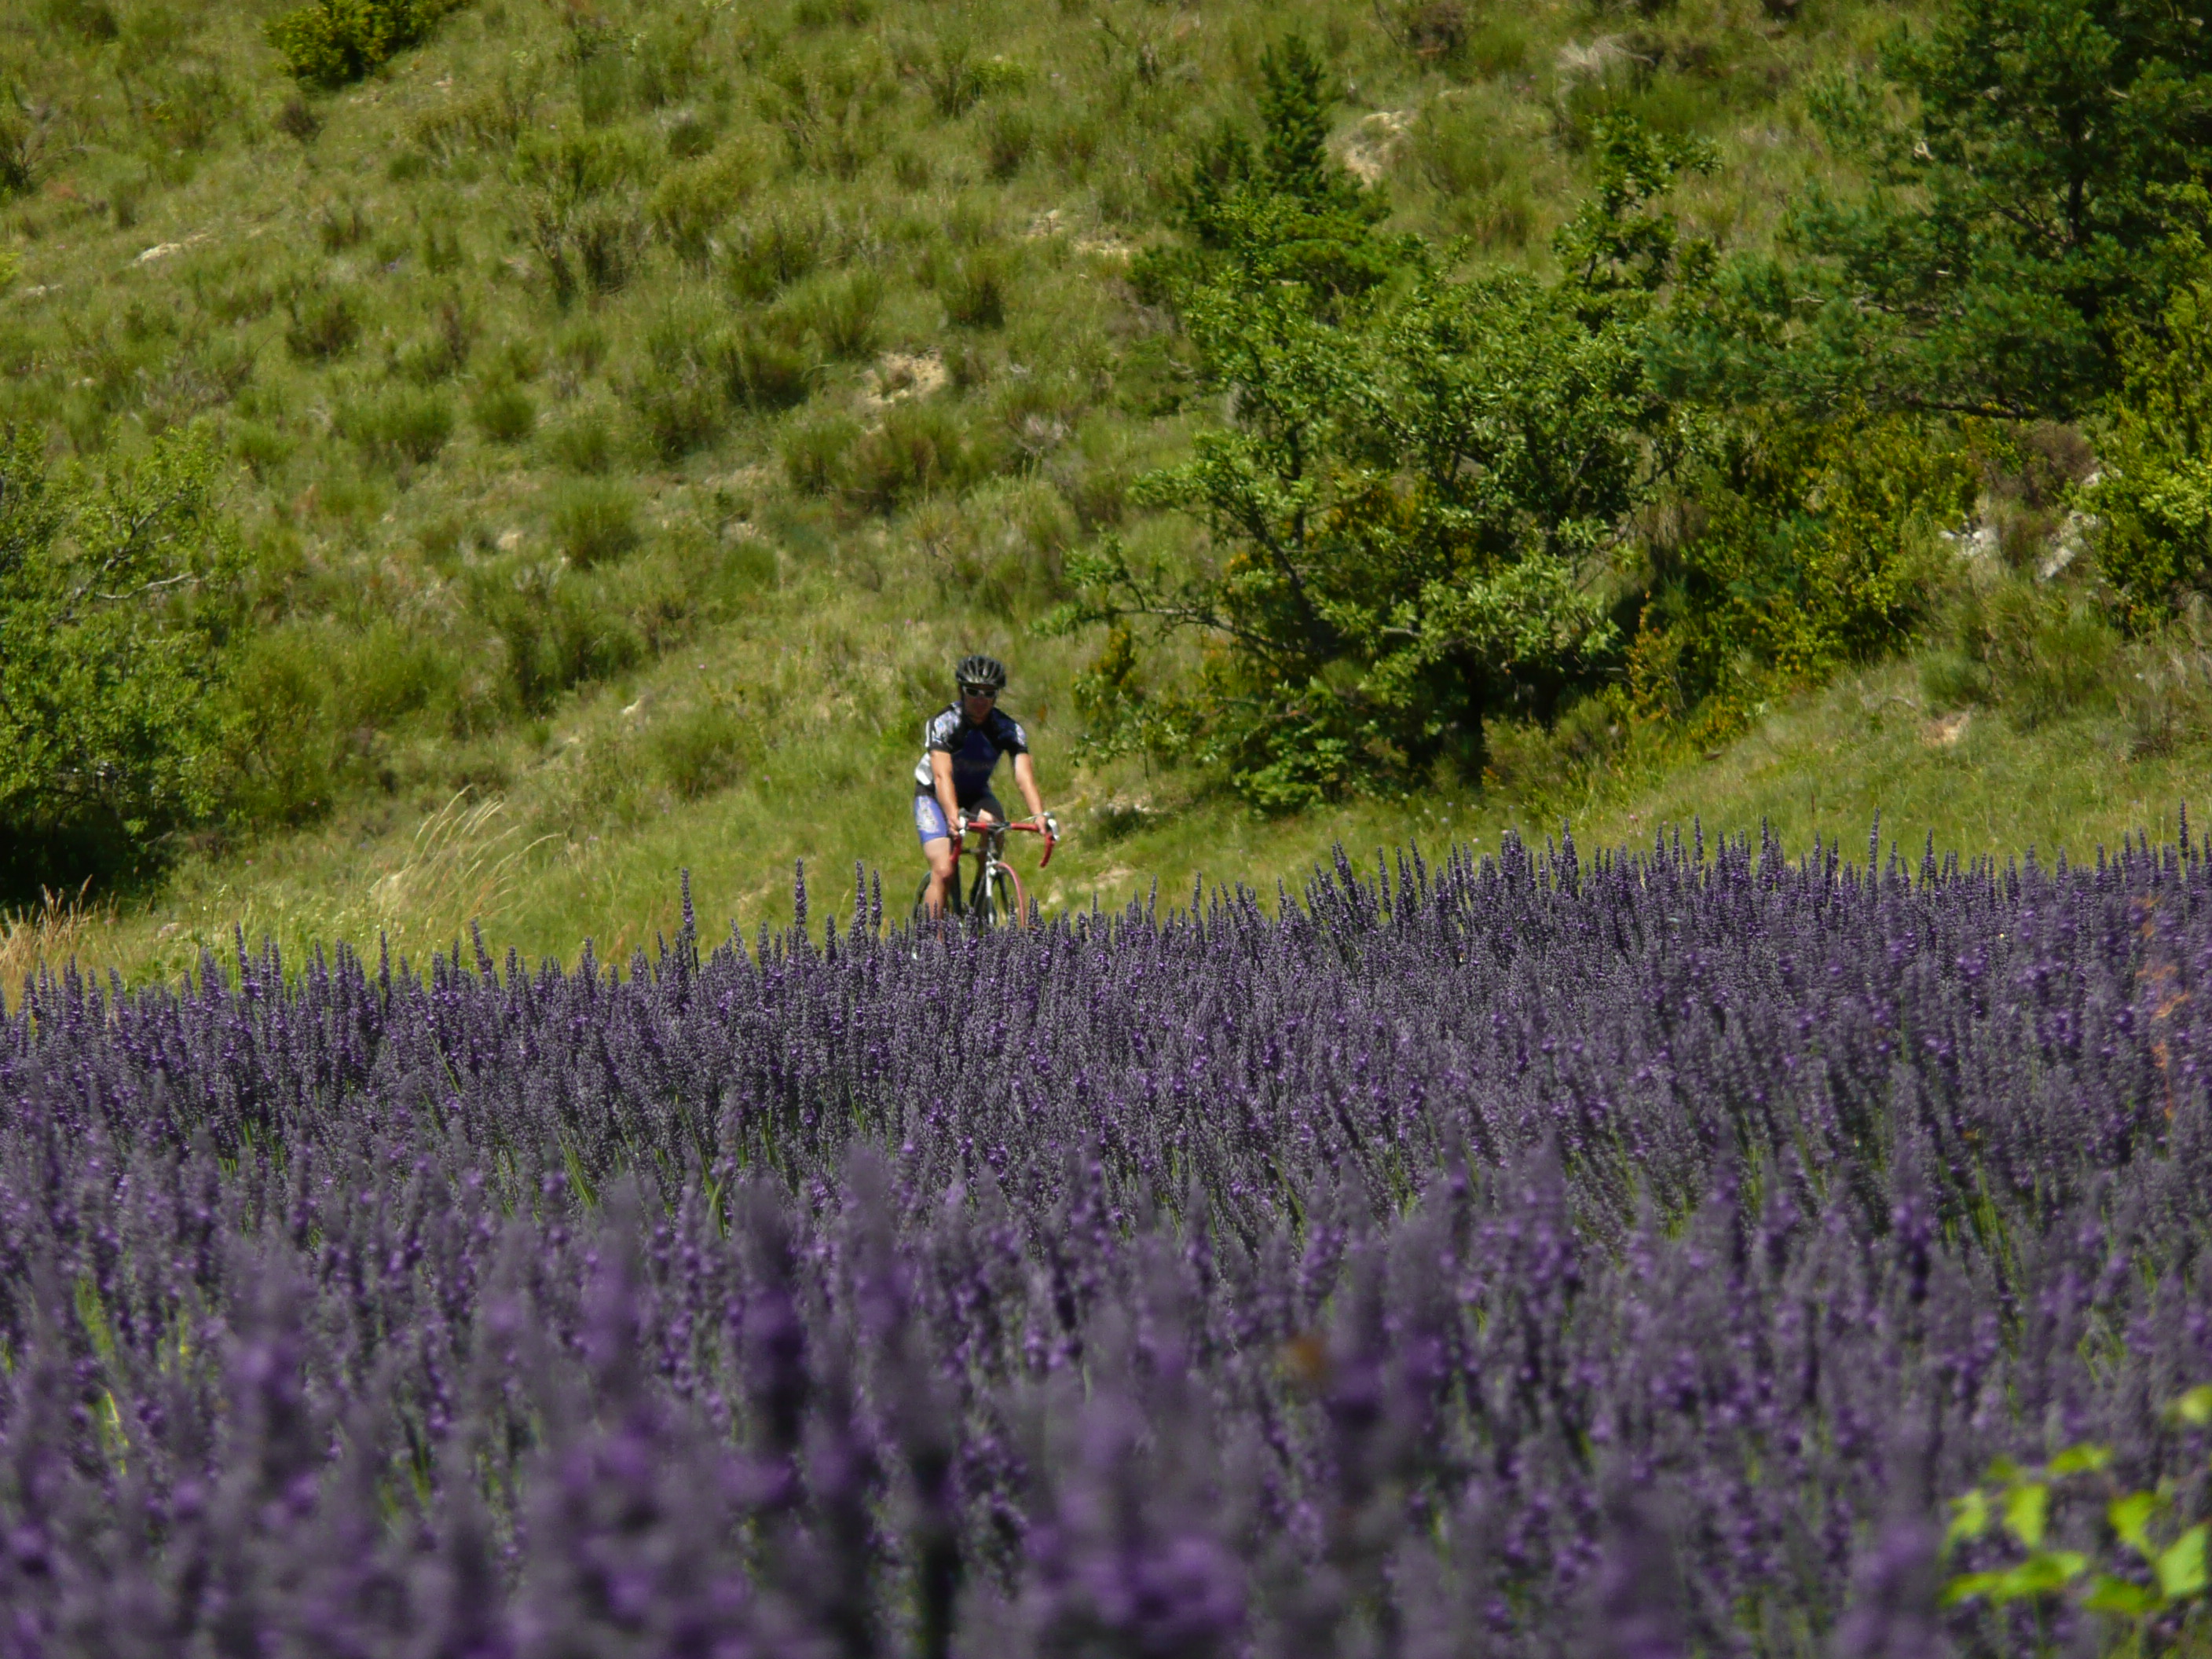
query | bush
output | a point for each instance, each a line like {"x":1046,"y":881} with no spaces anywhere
{"x":503,"y":412}
{"x":839,"y":311}
{"x":555,"y":632}
{"x":282,"y":766}
{"x":678,"y":407}
{"x":2167,"y":696}
{"x":692,"y":203}
{"x":676,"y":394}
{"x":2038,"y":653}
{"x":330,"y":42}
{"x":699,"y":751}
{"x":763,"y":367}
{"x":974,"y":290}
{"x":1798,"y":548}
{"x":813,"y":452}
{"x":919,"y":449}
{"x":594,"y":522}
{"x":117,"y":595}
{"x":399,"y":425}
{"x":325,"y":324}
{"x":1009,"y":135}
{"x":765,"y":256}
{"x":2154,"y":545}
{"x":582,"y":443}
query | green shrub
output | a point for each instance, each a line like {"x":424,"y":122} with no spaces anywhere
{"x":503,"y":411}
{"x":828,"y":113}
{"x":282,"y":761}
{"x":958,"y":80}
{"x":690,"y":137}
{"x":330,"y":42}
{"x":2036,"y":652}
{"x":700,"y":751}
{"x":910,"y":170}
{"x":677,"y":393}
{"x":594,"y":522}
{"x":839,"y":312}
{"x":679,"y":409}
{"x":975,"y":287}
{"x":582,"y":443}
{"x":1009,"y":136}
{"x":555,"y":631}
{"x":1803,"y":547}
{"x":400,"y":424}
{"x":1462,"y":148}
{"x":342,"y":224}
{"x":763,"y":367}
{"x":583,"y":220}
{"x":261,"y":447}
{"x":920,"y":449}
{"x":580,"y":349}
{"x":2166,"y":692}
{"x":116,"y":597}
{"x":1039,"y":413}
{"x":765,"y":256}
{"x":325,"y":324}
{"x":2154,"y":545}
{"x":813,"y":452}
{"x":691,"y":204}
{"x":444,"y":352}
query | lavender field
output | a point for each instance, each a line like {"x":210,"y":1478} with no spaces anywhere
{"x":1520,"y":1255}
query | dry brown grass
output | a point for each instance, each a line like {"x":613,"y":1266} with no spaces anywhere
{"x":49,"y":935}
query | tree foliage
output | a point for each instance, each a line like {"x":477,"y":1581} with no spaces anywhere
{"x":1410,"y":506}
{"x":328,"y":43}
{"x":115,"y":595}
{"x":2028,"y":167}
{"x":2155,"y":496}
{"x":1281,"y":209}
{"x":1790,"y":548}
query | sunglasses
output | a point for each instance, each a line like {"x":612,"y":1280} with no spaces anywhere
{"x":990,"y":691}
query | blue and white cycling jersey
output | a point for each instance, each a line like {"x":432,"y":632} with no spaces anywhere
{"x":975,"y":750}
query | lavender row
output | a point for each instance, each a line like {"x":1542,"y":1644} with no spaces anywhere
{"x":1514,"y":1256}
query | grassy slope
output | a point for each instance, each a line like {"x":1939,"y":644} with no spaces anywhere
{"x":782,"y":643}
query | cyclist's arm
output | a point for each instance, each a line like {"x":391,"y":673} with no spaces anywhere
{"x":1025,"y":780}
{"x":940,"y":776}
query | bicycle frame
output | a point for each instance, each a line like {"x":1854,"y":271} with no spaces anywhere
{"x":990,"y":855}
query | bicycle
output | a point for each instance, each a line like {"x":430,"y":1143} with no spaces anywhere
{"x":996,"y":894}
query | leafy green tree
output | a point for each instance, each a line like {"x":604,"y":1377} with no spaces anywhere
{"x":1412,"y":506}
{"x":1792,"y":548}
{"x":1283,"y":208}
{"x":2028,"y":167}
{"x":2155,"y":497}
{"x":115,"y":602}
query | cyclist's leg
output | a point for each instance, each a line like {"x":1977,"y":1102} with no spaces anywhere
{"x":937,"y":846}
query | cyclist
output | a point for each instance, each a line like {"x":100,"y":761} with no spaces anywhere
{"x":961,"y":746}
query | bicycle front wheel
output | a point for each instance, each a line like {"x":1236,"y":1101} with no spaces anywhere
{"x":999,"y":898}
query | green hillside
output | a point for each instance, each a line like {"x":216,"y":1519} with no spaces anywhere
{"x":614,"y":420}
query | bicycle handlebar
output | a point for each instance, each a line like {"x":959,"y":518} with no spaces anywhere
{"x":1028,"y":826}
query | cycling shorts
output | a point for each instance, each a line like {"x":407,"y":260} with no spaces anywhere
{"x":929,"y":816}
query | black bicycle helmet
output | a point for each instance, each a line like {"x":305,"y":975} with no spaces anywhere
{"x":981,"y":670}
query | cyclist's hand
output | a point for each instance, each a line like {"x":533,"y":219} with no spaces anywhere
{"x":1051,"y":828}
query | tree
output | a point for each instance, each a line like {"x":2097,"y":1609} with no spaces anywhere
{"x":115,"y":599}
{"x":2026,"y":167}
{"x":1282,"y":209}
{"x":2156,"y":496}
{"x":1411,"y":504}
